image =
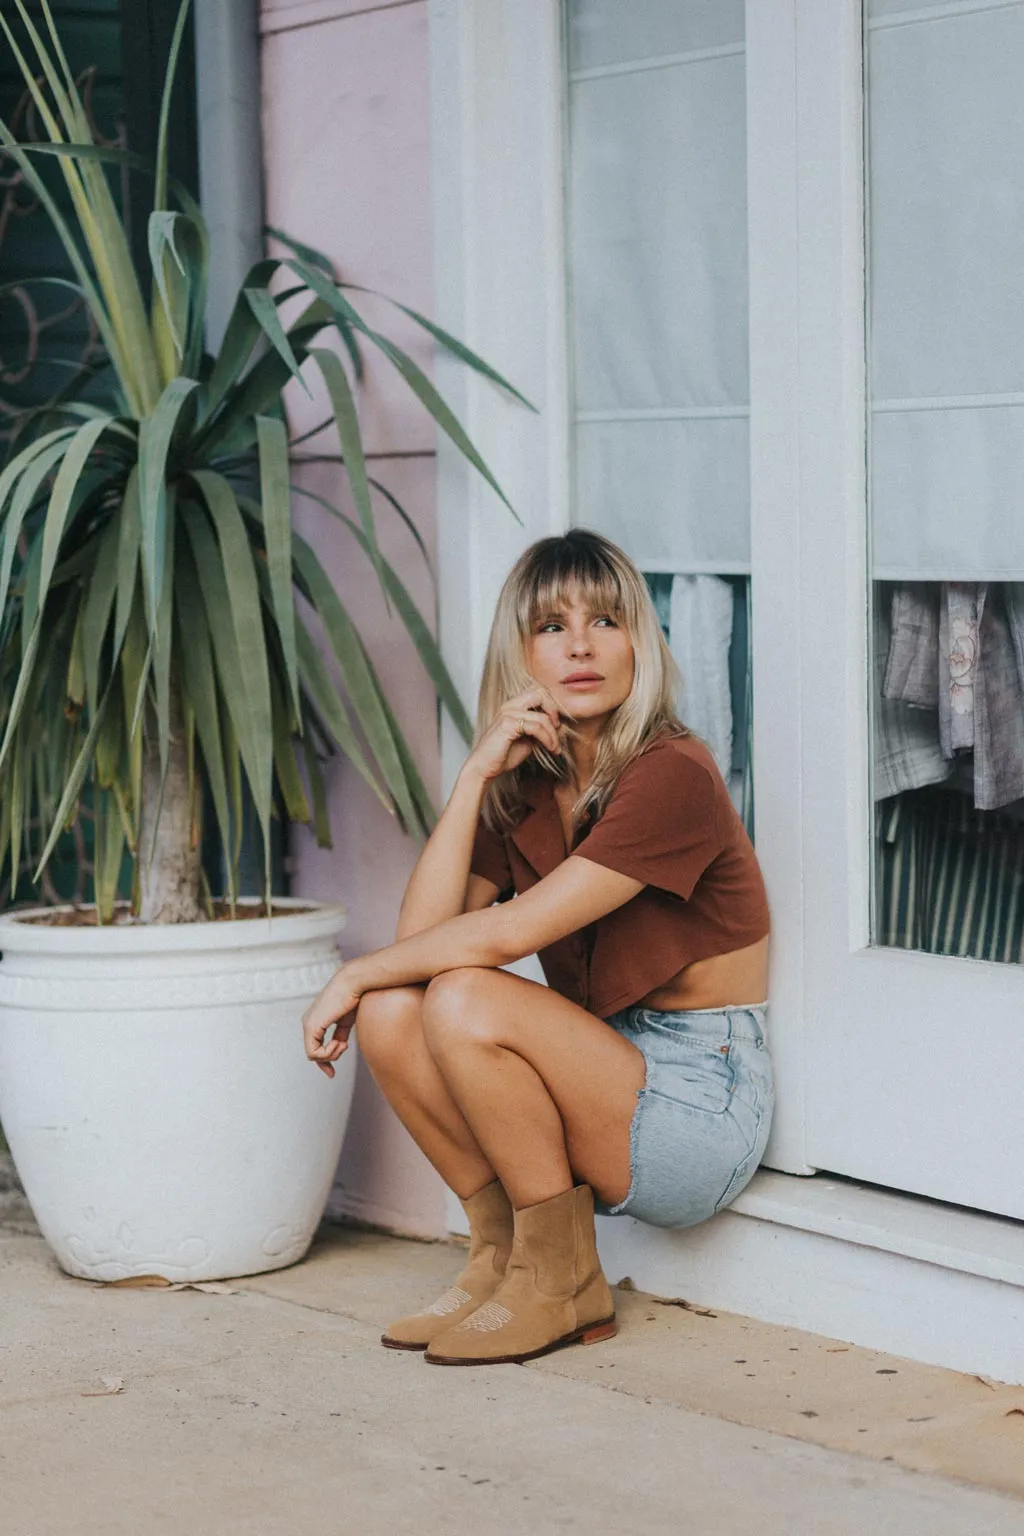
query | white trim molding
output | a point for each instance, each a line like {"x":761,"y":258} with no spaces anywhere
{"x":500,"y":286}
{"x":313,"y":13}
{"x":928,"y":1281}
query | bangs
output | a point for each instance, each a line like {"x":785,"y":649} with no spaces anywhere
{"x":566,"y":568}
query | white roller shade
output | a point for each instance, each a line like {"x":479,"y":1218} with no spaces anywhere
{"x":946,"y":289}
{"x":657,"y":255}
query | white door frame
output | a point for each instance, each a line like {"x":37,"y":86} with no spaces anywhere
{"x":497,"y":200}
{"x":791,"y":1250}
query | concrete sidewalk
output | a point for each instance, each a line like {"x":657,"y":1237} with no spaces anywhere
{"x":270,"y":1406}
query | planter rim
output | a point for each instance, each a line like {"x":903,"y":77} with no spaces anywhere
{"x":318,"y":920}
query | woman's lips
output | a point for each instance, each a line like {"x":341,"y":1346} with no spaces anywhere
{"x":583,"y":683}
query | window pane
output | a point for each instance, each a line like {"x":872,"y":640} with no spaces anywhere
{"x":946,"y":219}
{"x":602,"y":32}
{"x":657,"y":254}
{"x":945,"y":214}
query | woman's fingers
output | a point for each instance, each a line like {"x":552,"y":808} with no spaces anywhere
{"x":315,"y":1025}
{"x":530,"y":718}
{"x":323,"y":1052}
{"x":335,"y":1006}
{"x":521,"y":720}
{"x":339,"y":1043}
{"x":537,"y":725}
{"x":539,"y":697}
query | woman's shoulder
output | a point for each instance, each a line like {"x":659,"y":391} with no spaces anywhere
{"x":672,"y":760}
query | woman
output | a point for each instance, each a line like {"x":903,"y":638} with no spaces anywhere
{"x":637,"y":1082}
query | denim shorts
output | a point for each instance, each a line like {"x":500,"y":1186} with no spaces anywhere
{"x":701,"y":1122}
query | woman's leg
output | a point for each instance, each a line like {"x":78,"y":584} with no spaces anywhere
{"x":548,"y":1090}
{"x":389,"y":1028}
{"x":389,"y":1032}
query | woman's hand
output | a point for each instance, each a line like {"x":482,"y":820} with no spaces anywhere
{"x":530,"y":719}
{"x":336,"y":1005}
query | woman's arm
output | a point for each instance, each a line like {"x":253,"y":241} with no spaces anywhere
{"x":578,"y":892}
{"x":437,"y":887}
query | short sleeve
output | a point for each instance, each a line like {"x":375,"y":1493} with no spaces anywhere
{"x":660,"y":824}
{"x":490,"y":858}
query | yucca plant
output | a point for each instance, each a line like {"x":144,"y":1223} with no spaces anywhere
{"x":151,"y":643}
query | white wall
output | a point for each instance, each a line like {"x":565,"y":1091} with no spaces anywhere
{"x":347,"y":166}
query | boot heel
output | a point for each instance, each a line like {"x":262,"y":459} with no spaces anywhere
{"x":599,"y":1331}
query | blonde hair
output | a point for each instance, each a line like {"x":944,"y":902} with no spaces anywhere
{"x":542,"y":580}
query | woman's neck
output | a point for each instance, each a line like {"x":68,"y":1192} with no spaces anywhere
{"x":585,"y":756}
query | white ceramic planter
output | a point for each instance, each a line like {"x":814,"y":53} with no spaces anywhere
{"x":156,"y":1096}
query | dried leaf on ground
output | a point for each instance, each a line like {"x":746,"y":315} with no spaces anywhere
{"x":133,"y":1281}
{"x":111,"y":1386}
{"x":688,"y":1306}
{"x":211,"y":1287}
{"x":627,"y":1284}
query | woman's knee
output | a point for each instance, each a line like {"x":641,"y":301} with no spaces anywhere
{"x":458,"y":1004}
{"x":385,"y":1020}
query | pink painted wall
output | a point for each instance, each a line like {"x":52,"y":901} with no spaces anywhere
{"x":347,"y":167}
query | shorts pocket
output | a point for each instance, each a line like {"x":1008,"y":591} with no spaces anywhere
{"x":685,"y":1158}
{"x":700,"y":1076}
{"x":757,"y":1117}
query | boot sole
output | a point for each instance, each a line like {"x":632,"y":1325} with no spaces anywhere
{"x":398,"y":1343}
{"x":593,"y":1333}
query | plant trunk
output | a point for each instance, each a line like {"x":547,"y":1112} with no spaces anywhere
{"x":169,"y":852}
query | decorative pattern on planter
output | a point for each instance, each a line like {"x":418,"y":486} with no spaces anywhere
{"x":182,"y":1259}
{"x":116,"y":994}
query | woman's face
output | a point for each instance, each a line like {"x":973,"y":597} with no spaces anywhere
{"x":585,"y":658}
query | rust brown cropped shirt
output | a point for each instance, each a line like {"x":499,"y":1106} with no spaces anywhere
{"x":669,"y":822}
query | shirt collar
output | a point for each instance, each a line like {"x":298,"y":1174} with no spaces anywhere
{"x":539,"y":835}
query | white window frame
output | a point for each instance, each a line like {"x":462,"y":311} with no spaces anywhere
{"x":500,"y":261}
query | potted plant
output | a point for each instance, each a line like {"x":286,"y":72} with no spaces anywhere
{"x":157,"y":652}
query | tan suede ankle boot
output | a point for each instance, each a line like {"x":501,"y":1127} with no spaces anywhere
{"x":554,"y":1291}
{"x":491,"y":1229}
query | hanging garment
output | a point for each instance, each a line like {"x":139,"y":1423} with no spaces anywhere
{"x":907,"y":753}
{"x":998,"y":707}
{"x":911,"y":674}
{"x":700,"y":632}
{"x":950,"y":879}
{"x":956,"y":648}
{"x":961,"y":605}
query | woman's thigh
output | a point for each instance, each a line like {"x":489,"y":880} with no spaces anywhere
{"x":592,"y":1073}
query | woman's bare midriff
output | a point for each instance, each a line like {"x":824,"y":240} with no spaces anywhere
{"x":739,"y":979}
